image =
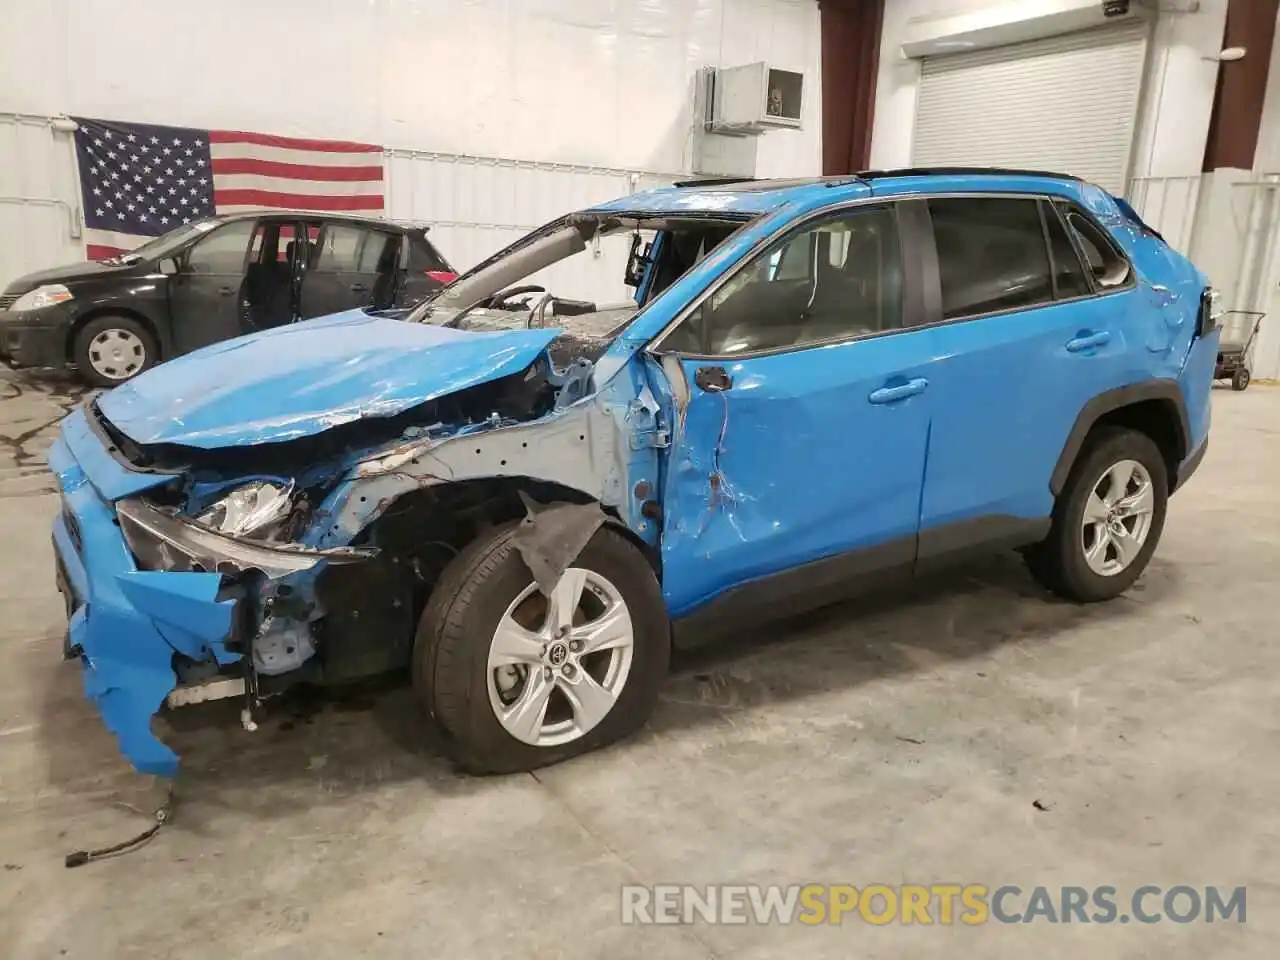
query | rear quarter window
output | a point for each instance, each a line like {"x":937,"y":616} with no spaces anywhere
{"x":423,"y":257}
{"x":1107,"y":265}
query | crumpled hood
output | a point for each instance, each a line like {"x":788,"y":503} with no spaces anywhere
{"x":302,"y":379}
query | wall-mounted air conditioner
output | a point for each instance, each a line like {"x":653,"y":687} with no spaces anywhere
{"x":753,"y":98}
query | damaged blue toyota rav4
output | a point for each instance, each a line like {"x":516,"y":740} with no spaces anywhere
{"x":814,"y":386}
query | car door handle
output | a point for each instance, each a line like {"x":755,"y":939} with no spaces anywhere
{"x":1089,"y":341}
{"x":899,"y":391}
{"x":359,"y":288}
{"x":226,"y":291}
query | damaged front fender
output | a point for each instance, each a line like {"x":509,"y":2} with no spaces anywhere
{"x":605,"y":447}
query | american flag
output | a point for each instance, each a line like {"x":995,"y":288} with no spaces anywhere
{"x":139,"y":180}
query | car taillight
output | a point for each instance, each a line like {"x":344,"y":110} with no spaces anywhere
{"x":1210,"y":311}
{"x":442,"y":276}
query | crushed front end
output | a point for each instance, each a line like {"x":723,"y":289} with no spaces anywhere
{"x":154,"y":600}
{"x":277,"y":509}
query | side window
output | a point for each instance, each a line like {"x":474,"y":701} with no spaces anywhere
{"x":222,"y":251}
{"x":1068,"y":274}
{"x":991,"y":254}
{"x":378,"y":252}
{"x":835,"y":279}
{"x":1108,"y":267}
{"x":794,"y":260}
{"x":347,"y":249}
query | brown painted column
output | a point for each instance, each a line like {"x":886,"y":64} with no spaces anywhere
{"x":850,"y":62}
{"x":1242,"y":85}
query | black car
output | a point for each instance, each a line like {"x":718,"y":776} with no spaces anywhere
{"x":211,"y":280}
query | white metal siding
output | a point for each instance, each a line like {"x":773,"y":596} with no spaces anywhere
{"x":1066,"y":103}
{"x":1168,"y":204}
{"x":39,"y":198}
{"x":478,"y":205}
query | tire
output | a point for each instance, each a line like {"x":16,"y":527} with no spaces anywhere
{"x":1240,"y":380}
{"x":451,"y":673}
{"x":113,"y":343}
{"x":1060,"y":562}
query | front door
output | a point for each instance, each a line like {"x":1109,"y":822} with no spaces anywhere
{"x":798,"y":462}
{"x":351,"y":266}
{"x":206,"y":293}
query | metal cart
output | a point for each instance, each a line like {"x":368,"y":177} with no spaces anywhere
{"x":1235,"y":349}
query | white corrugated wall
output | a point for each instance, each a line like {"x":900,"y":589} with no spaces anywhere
{"x":478,"y":205}
{"x":574,"y":95}
{"x":39,"y":199}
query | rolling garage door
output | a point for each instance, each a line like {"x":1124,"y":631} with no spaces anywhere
{"x":1066,"y":103}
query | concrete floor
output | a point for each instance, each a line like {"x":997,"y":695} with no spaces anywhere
{"x":901,"y":741}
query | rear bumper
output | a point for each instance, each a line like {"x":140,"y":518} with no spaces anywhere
{"x":124,"y":624}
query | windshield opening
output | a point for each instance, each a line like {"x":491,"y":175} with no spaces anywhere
{"x":578,"y":266}
{"x":168,"y":243}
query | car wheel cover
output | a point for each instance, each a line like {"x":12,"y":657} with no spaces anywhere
{"x":1117,"y":518}
{"x":557,"y":665}
{"x":117,"y":353}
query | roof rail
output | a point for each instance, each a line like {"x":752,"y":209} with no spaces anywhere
{"x":961,"y":171}
{"x":713,"y":181}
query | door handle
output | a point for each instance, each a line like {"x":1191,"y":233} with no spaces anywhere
{"x":359,"y":288}
{"x":899,"y":391}
{"x":226,"y":291}
{"x":1089,"y":341}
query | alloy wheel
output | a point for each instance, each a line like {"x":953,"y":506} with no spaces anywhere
{"x":558,"y":664}
{"x":1117,"y":518}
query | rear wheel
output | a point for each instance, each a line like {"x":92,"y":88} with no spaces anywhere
{"x":517,"y":680}
{"x":1107,"y":520}
{"x":1240,"y":380}
{"x":112,"y":349}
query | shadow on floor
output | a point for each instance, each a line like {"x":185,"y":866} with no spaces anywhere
{"x":324,"y":748}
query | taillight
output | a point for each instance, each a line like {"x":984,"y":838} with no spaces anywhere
{"x":442,"y":276}
{"x":1210,"y":312}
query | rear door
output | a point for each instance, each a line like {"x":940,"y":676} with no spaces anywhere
{"x":351,"y":265}
{"x":1026,"y":336}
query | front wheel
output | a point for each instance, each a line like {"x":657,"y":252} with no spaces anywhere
{"x":112,"y":349}
{"x":1107,"y":520}
{"x":518,"y":680}
{"x":1240,"y":380}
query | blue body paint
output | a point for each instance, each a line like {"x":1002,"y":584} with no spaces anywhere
{"x":790,"y":466}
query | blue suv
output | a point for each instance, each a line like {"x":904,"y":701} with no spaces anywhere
{"x":816,"y":386}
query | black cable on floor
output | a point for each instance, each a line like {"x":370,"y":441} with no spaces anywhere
{"x":163,"y":814}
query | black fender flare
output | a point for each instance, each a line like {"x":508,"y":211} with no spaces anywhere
{"x":1165,"y":391}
